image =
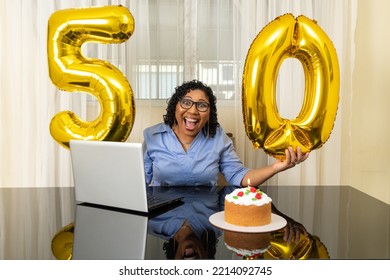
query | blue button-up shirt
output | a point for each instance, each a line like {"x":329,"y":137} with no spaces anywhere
{"x":167,"y":163}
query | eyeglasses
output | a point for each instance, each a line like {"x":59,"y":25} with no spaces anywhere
{"x":200,"y":106}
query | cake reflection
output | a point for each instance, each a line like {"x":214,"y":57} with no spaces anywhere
{"x":247,"y":245}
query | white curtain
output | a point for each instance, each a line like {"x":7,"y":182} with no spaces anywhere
{"x":28,"y":99}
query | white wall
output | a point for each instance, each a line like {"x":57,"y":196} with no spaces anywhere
{"x":370,"y":116}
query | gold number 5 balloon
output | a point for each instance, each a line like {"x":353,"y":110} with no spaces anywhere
{"x":300,"y":38}
{"x":69,"y":70}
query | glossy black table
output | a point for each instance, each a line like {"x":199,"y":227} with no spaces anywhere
{"x":342,"y":222}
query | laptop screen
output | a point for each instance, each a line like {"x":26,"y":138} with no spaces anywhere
{"x":109,"y":173}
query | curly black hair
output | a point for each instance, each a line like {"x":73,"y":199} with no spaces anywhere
{"x":180,"y":91}
{"x":209,"y":242}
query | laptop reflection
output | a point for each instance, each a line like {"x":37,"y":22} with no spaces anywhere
{"x":102,"y":234}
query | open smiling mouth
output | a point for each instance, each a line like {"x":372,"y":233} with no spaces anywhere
{"x":190,"y":123}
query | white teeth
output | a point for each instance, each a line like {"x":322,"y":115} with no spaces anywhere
{"x":191,"y":120}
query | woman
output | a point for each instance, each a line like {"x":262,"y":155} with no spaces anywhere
{"x":191,"y":148}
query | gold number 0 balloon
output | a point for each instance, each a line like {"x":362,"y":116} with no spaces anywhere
{"x":69,"y":70}
{"x":300,"y":38}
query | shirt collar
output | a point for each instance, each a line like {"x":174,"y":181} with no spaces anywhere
{"x":161,"y":128}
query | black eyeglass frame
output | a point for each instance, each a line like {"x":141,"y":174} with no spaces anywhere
{"x":197,"y":104}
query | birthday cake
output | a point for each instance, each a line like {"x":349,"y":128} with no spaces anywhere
{"x":248,"y":207}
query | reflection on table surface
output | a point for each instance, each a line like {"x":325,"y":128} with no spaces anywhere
{"x":341,"y":223}
{"x":101,"y":233}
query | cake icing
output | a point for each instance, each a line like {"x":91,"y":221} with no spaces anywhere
{"x":246,"y":252}
{"x":248,"y":196}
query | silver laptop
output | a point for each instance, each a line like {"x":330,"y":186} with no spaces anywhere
{"x":101,"y":234}
{"x":112,"y":174}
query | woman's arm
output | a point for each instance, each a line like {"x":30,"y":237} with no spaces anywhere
{"x":259,"y":175}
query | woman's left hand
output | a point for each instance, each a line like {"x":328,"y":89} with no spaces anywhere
{"x":291,"y":159}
